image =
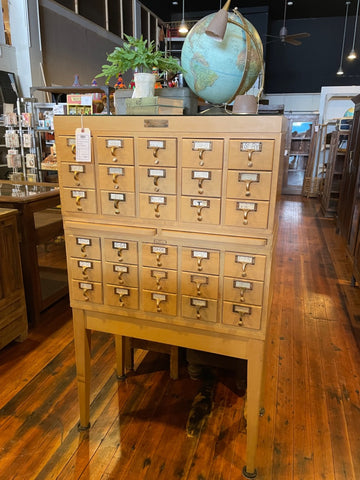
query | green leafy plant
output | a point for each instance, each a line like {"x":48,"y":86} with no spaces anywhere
{"x":137,"y":54}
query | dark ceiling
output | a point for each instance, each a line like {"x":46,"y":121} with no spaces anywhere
{"x":300,"y":8}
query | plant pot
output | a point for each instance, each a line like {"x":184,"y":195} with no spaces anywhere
{"x":144,"y":85}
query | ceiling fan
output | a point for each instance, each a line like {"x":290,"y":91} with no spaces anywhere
{"x":283,"y":34}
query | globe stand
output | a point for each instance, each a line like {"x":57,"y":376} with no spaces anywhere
{"x":216,"y":110}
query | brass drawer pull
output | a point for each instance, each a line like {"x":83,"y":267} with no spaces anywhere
{"x":250,"y":154}
{"x":243,"y":287}
{"x":244,"y":260}
{"x":114,"y":180}
{"x":158,"y":298}
{"x":116,"y":207}
{"x":122,"y":292}
{"x":158,"y":277}
{"x":198,"y":304}
{"x":73,"y":149}
{"x":155,"y":151}
{"x":83,"y":272}
{"x":85,"y":290}
{"x":242,"y":312}
{"x":77,"y":201}
{"x":199,"y":281}
{"x":76,"y":178}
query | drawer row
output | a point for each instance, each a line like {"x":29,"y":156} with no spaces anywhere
{"x":190,"y":307}
{"x":170,"y":257}
{"x":200,"y":182}
{"x":198,"y":210}
{"x":195,"y":152}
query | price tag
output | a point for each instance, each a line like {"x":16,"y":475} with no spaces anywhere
{"x":83,"y":145}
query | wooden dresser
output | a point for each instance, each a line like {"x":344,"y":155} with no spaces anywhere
{"x":13,"y":319}
{"x":170,"y":230}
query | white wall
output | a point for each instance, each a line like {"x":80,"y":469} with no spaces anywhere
{"x":296,"y":103}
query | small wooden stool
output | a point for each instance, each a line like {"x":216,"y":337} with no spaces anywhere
{"x":125,"y":354}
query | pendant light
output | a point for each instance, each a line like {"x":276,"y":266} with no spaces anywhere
{"x":340,"y":71}
{"x":183,"y":27}
{"x":352,"y":55}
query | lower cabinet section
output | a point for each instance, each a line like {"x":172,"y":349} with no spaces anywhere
{"x":13,"y":318}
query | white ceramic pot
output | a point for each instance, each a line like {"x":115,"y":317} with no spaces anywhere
{"x":144,"y":85}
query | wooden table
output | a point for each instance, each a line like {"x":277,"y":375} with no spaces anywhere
{"x":36,"y":225}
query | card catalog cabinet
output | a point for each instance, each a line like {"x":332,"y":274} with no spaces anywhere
{"x":170,"y":228}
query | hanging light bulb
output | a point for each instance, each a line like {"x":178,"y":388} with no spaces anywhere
{"x":183,"y":27}
{"x":340,"y":71}
{"x":352,"y":55}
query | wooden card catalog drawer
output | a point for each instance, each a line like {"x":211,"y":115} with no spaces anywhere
{"x":244,"y":265}
{"x":248,"y":185}
{"x":246,"y":154}
{"x":202,"y":152}
{"x":121,"y":296}
{"x":66,"y":148}
{"x":252,"y":214}
{"x":115,"y":150}
{"x":160,"y":152}
{"x":198,"y":285}
{"x":84,"y":291}
{"x":159,"y":280}
{"x":159,"y":302}
{"x":164,"y":256}
{"x":77,"y":175}
{"x":120,"y":274}
{"x":158,"y":206}
{"x":200,"y":260}
{"x":79,"y":200}
{"x":113,"y":177}
{"x":83,"y":246}
{"x":241,"y":315}
{"x":199,"y":308}
{"x":118,"y":203}
{"x":157,"y":180}
{"x":200,"y":210}
{"x":120,"y":251}
{"x":85,"y":269}
{"x":243,"y":291}
{"x":197,"y":181}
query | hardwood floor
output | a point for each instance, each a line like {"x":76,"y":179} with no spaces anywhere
{"x":311,"y":425}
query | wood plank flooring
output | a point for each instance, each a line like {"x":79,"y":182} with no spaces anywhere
{"x":311,"y":425}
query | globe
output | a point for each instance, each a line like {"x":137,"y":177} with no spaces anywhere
{"x":218,"y":71}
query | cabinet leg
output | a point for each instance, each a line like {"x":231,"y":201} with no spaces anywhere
{"x":120,"y":349}
{"x":254,"y":402}
{"x":82,"y":339}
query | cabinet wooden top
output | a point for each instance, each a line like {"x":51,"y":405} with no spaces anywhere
{"x":185,"y":123}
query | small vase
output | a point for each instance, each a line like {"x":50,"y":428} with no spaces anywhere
{"x":144,"y":85}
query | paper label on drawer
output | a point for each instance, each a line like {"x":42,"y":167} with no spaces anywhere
{"x":249,"y":177}
{"x":83,"y":264}
{"x":241,"y":309}
{"x":240,"y":284}
{"x":78,"y":194}
{"x":83,"y":145}
{"x":70,"y":142}
{"x":200,"y":203}
{"x":118,"y":143}
{"x":156,"y":144}
{"x":246,"y":206}
{"x":162,"y":250}
{"x":83,"y":241}
{"x":159,"y":296}
{"x":200,"y":279}
{"x":159,"y":274}
{"x":200,"y":254}
{"x":120,"y":197}
{"x":115,"y":171}
{"x":156,"y":173}
{"x":120,"y":245}
{"x":122,"y":291}
{"x":157,"y":200}
{"x":86,"y":286}
{"x":201,"y":175}
{"x":200,"y":145}
{"x":77,"y":168}
{"x":245,"y":259}
{"x":250,"y":146}
{"x":120,"y":268}
{"x":198,"y":302}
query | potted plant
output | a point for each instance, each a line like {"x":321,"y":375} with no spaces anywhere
{"x":138,"y":55}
